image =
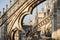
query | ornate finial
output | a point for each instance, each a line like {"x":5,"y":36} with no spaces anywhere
{"x":0,"y":13}
{"x":6,"y":6}
{"x":3,"y":10}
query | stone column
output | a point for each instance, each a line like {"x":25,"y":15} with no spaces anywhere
{"x":54,"y":33}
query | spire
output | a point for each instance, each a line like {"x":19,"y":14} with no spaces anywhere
{"x":36,"y":10}
{"x":42,"y":9}
{"x":51,"y":5}
{"x":47,"y":7}
{"x":47,"y":3}
{"x":36,"y":16}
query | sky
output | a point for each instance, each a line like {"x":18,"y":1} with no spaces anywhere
{"x":31,"y":16}
{"x":3,"y":4}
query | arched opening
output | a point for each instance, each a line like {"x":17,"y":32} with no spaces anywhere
{"x":39,"y":14}
{"x":32,"y":26}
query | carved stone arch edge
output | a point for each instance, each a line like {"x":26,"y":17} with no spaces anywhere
{"x":21,"y":19}
{"x":29,"y":11}
{"x":12,"y":33}
{"x":34,"y":5}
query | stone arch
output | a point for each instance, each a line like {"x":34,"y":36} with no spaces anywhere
{"x":29,"y":11}
{"x":22,"y":15}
